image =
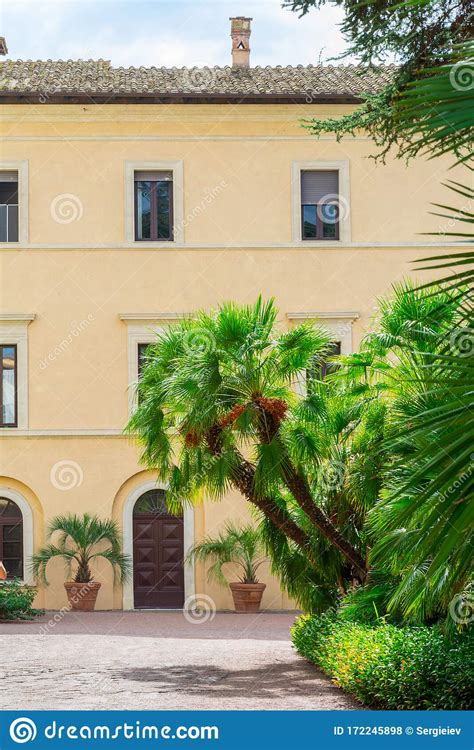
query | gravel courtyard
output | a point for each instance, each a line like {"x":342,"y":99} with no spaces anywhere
{"x":159,"y":660}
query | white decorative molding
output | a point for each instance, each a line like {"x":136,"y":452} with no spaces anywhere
{"x":143,"y":317}
{"x":17,"y":317}
{"x":14,"y":330}
{"x":322,"y":315}
{"x":7,"y":432}
{"x":127,"y":526}
{"x":23,"y":222}
{"x":27,"y":514}
{"x":300,"y":245}
{"x":344,"y":192}
{"x":168,"y":138}
{"x":178,"y":199}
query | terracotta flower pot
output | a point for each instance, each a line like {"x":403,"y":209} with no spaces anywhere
{"x":247,"y":596}
{"x":82,"y":596}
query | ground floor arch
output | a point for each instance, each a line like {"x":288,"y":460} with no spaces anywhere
{"x":16,"y":534}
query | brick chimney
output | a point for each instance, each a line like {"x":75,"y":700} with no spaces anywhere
{"x":240,"y":31}
{"x":3,"y":46}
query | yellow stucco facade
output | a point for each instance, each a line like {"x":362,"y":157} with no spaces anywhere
{"x":80,"y":293}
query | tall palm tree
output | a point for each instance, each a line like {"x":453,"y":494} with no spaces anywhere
{"x":218,"y":408}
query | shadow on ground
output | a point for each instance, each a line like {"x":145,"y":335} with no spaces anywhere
{"x":296,"y":679}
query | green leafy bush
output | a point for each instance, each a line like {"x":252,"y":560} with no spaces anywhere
{"x":391,"y":667}
{"x":16,"y":600}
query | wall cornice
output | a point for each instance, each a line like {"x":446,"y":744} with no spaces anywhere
{"x":167,"y":246}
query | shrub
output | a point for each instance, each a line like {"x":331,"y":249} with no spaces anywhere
{"x":16,"y":600}
{"x":391,"y":667}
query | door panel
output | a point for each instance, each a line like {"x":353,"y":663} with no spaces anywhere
{"x":158,"y":574}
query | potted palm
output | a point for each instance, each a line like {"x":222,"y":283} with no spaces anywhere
{"x":82,"y":539}
{"x":243,"y":547}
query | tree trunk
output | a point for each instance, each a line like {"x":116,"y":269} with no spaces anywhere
{"x":303,"y":497}
{"x":299,"y":488}
{"x":83,"y":573}
{"x":243,"y":479}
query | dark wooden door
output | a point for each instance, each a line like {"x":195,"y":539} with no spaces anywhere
{"x":158,"y":575}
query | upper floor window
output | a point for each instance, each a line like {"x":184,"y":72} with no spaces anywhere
{"x":319,"y":204}
{"x":8,"y":385}
{"x":154,"y":206}
{"x":8,"y":206}
{"x":141,"y":357}
{"x":323,"y":368}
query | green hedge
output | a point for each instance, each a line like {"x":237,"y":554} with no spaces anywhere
{"x":16,"y":601}
{"x":391,"y":667}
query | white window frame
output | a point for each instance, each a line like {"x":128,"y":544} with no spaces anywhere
{"x":338,"y":324}
{"x":342,"y":167}
{"x":137,"y":334}
{"x":176,"y":167}
{"x":14,"y":330}
{"x":22,"y":168}
{"x":142,"y":328}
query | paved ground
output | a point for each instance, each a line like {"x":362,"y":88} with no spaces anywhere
{"x":159,"y":660}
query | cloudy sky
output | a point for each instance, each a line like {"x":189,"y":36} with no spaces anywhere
{"x":166,"y":32}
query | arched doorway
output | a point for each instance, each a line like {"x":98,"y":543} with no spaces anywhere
{"x":11,"y":538}
{"x":158,"y":551}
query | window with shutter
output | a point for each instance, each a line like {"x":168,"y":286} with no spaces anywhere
{"x":319,"y":204}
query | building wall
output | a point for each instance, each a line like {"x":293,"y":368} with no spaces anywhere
{"x":85,"y":282}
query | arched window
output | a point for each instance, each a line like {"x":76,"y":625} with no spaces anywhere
{"x":11,"y":538}
{"x":152,"y":501}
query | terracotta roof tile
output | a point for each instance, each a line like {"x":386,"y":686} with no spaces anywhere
{"x":98,"y":77}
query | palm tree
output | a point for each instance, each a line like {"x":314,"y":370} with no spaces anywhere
{"x":422,"y":526}
{"x":239,"y":545}
{"x":81,"y":540}
{"x":343,"y":426}
{"x":218,"y":408}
